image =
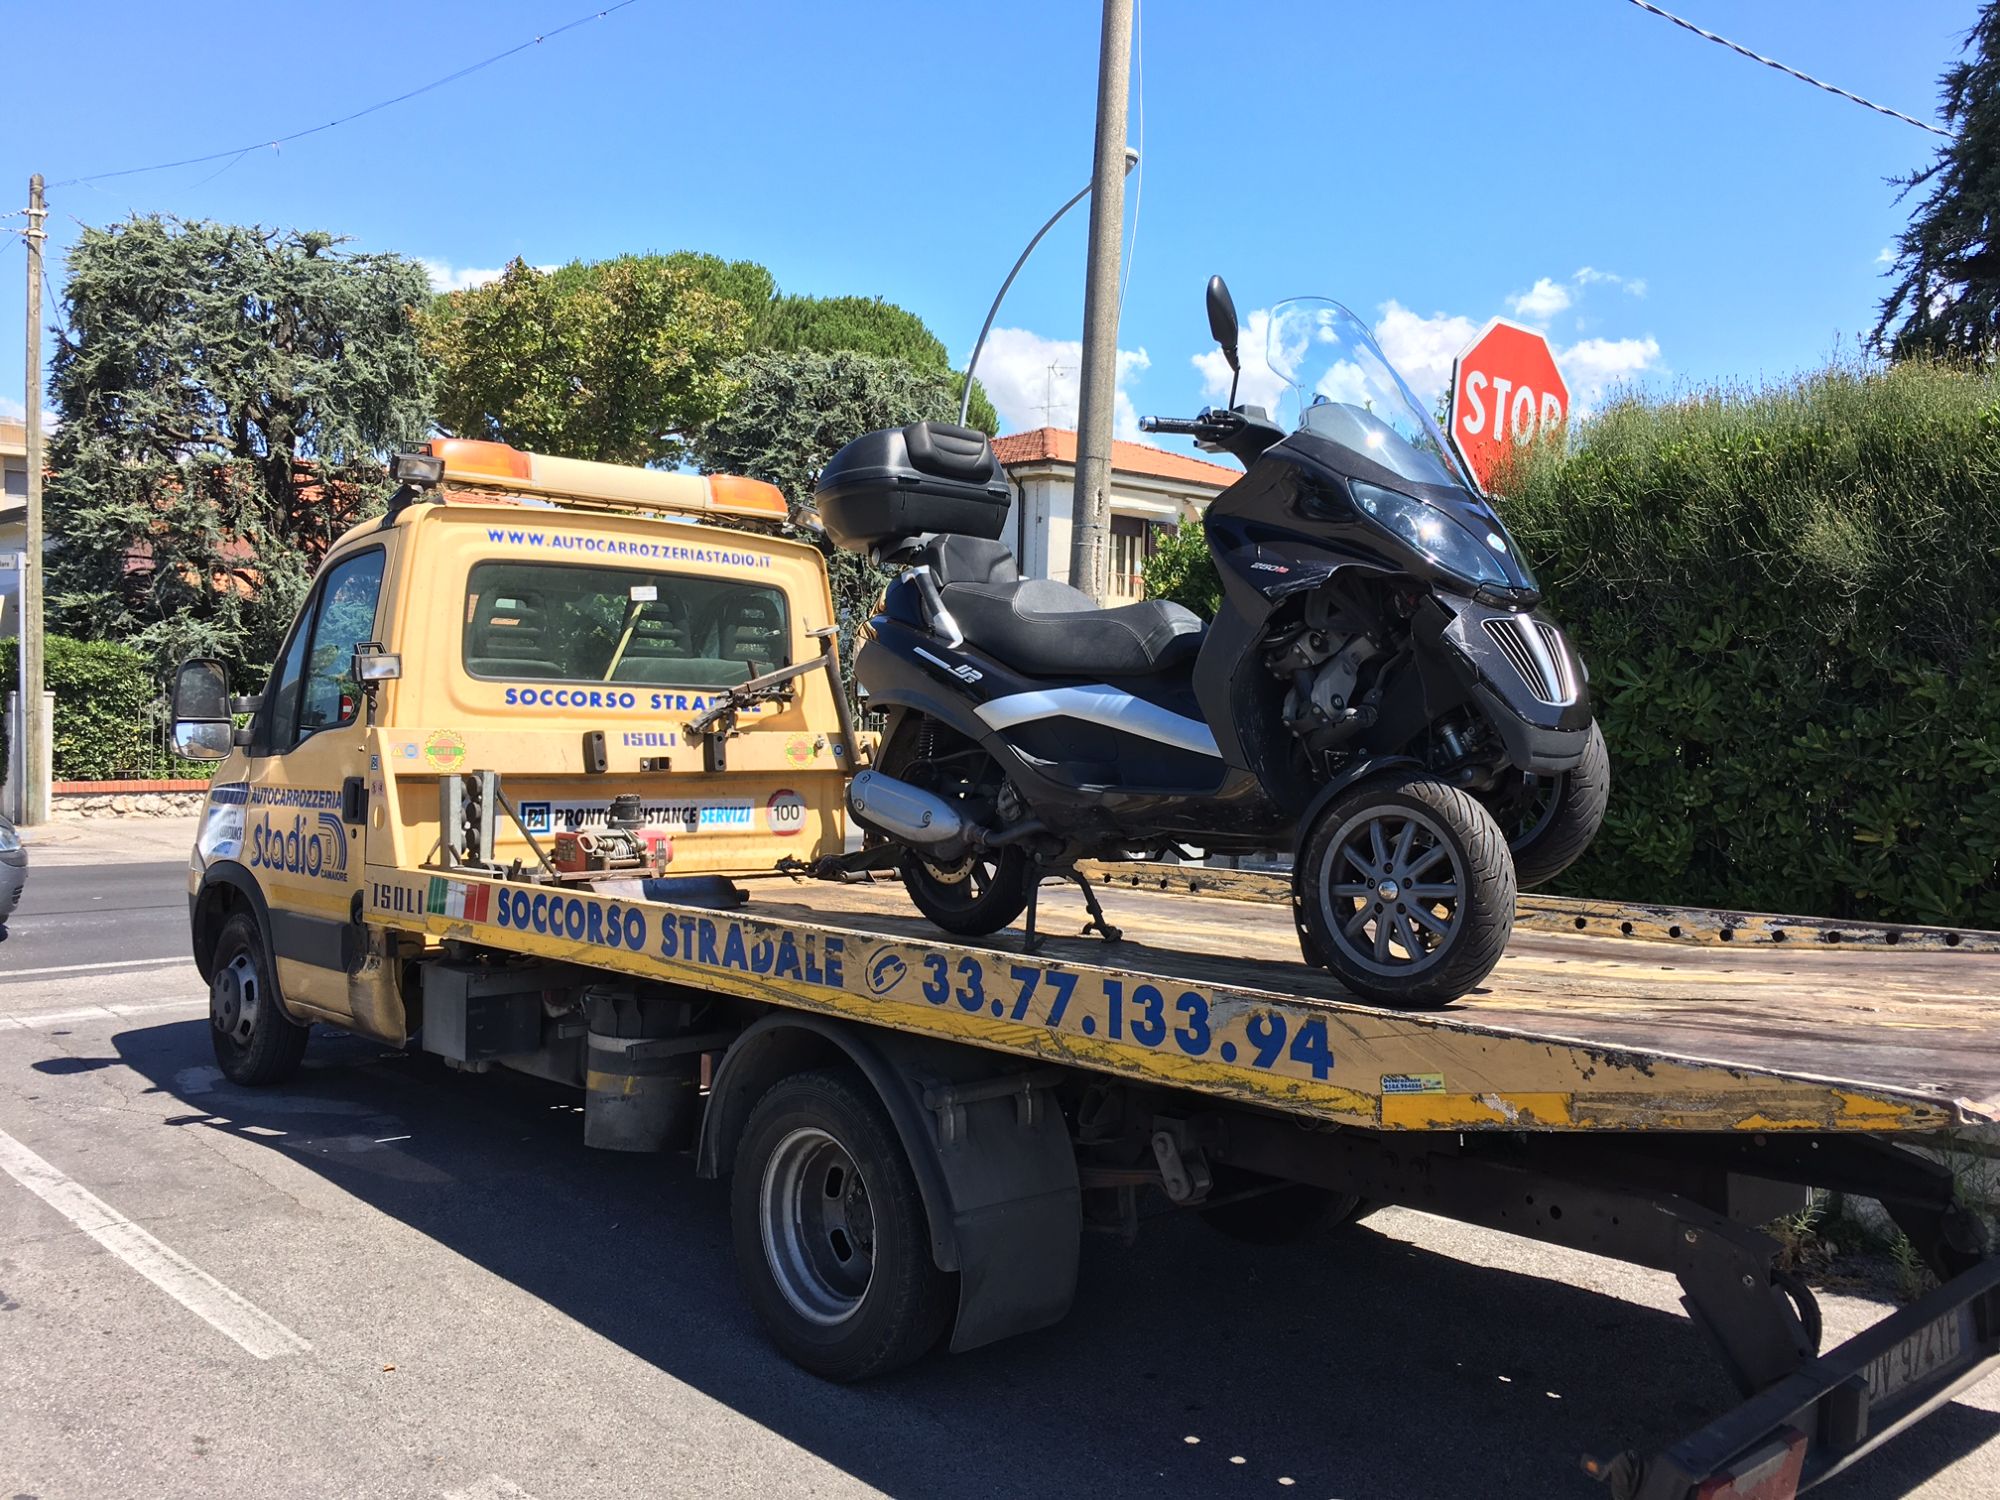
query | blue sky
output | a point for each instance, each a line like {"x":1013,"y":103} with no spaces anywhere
{"x":1428,"y":162}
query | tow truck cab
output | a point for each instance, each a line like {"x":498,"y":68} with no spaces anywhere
{"x":556,"y":621}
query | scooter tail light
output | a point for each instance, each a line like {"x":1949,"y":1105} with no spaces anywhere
{"x":1768,"y":1472}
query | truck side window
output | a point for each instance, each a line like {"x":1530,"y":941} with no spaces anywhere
{"x":328,"y":695}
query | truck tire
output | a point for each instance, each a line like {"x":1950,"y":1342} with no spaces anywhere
{"x":832,"y":1242}
{"x":256,"y":1043}
{"x":1405,"y":891}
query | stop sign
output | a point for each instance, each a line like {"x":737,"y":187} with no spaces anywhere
{"x":1505,"y":388}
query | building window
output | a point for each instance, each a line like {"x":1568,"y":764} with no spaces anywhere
{"x":1132,"y":541}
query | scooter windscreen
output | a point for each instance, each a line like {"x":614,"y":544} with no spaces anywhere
{"x":1340,"y":387}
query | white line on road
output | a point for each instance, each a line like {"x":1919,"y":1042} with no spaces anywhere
{"x":200,"y":1293}
{"x":119,"y":963}
{"x":29,"y":1020}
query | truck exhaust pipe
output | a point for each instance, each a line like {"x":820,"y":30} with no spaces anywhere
{"x":910,"y":815}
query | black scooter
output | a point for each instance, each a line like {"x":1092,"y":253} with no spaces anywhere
{"x":1375,"y":681}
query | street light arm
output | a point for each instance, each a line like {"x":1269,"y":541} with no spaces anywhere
{"x":965,"y":399}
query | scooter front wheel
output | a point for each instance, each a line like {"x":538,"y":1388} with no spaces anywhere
{"x":1405,"y":892}
{"x":979,"y":895}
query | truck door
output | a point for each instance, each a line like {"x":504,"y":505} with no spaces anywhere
{"x":309,"y":739}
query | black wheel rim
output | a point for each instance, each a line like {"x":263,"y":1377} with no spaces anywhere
{"x":1525,"y":814}
{"x":965,"y":884}
{"x":1392,"y":891}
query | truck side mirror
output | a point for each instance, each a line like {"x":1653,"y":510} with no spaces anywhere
{"x":202,"y":729}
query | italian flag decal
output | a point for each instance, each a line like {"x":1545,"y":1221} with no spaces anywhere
{"x":454,"y":898}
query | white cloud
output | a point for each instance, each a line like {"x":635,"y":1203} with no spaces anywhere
{"x":1596,"y":367}
{"x":1260,"y":385}
{"x":1037,"y":382}
{"x":1422,"y":348}
{"x":445,"y":277}
{"x":1633,"y":286}
{"x":1886,"y":256}
{"x":11,"y":410}
{"x":1542,"y":301}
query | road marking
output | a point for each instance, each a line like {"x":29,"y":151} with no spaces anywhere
{"x":492,"y":1487}
{"x":30,"y":1020}
{"x":200,"y":1293}
{"x":116,"y":963}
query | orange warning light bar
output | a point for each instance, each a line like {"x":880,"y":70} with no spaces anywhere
{"x":488,"y":466}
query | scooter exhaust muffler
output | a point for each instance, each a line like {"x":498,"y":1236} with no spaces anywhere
{"x":909,"y":814}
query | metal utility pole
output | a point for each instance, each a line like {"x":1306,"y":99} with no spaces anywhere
{"x":1090,"y":512}
{"x":34,"y":730}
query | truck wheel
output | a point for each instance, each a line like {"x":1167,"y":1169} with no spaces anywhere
{"x":256,"y":1043}
{"x":1405,"y":891}
{"x":1281,"y":1216}
{"x":832,"y":1241}
{"x":1550,"y":820}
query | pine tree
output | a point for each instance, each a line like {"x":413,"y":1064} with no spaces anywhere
{"x":1946,"y":300}
{"x":227,"y":396}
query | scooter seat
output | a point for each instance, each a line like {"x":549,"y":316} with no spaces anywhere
{"x":1048,"y":629}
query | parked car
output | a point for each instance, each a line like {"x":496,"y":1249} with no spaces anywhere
{"x":13,"y":873}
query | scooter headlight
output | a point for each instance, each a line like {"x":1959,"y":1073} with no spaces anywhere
{"x":1435,"y":535}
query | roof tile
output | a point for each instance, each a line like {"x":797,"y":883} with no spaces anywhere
{"x":1058,"y":445}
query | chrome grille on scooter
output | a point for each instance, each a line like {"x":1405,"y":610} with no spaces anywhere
{"x":1535,"y":649}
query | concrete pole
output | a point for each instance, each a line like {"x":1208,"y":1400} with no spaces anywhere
{"x":1091,"y":510}
{"x":34,"y":710}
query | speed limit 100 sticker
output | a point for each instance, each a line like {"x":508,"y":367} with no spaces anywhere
{"x":786,"y":812}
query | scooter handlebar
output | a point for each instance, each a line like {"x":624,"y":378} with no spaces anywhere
{"x":1178,"y":426}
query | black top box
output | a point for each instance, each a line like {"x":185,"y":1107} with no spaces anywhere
{"x":912,"y":481}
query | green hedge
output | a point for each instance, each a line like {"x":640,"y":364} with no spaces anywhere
{"x":1790,"y":603}
{"x":106,"y":706}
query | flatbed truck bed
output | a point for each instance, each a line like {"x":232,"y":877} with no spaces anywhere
{"x":1630,"y":1082}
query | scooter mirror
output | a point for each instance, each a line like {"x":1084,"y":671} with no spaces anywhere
{"x":1222,"y":318}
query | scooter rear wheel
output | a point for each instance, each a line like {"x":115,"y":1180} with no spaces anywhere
{"x":1405,"y":892}
{"x":979,"y":895}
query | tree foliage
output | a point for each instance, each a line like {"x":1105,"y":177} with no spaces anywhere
{"x":619,"y":360}
{"x":107,"y":698}
{"x":794,"y":411}
{"x":227,"y":395}
{"x":1183,"y":570}
{"x":1946,"y":298}
{"x":865,"y":325}
{"x":1790,"y":603}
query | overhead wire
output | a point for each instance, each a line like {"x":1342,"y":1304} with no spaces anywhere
{"x":1139,"y":187}
{"x":1771,"y":62}
{"x":298,"y":135}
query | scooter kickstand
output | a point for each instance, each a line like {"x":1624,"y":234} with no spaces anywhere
{"x":1031,"y":940}
{"x":1096,"y":923}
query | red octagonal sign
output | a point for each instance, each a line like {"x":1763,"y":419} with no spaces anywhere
{"x":1505,"y":388}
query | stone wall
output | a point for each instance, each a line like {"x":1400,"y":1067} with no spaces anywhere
{"x":76,"y":800}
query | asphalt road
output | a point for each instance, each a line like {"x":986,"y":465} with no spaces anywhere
{"x":72,"y":914}
{"x":387,"y":1279}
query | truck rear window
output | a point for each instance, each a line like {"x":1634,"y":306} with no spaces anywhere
{"x":532,"y":622}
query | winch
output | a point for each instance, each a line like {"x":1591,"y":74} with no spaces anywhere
{"x":625,"y":843}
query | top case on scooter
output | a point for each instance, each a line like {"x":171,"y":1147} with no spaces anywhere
{"x":909,"y":482}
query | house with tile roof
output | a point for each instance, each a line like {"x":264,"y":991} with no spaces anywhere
{"x":1152,"y":491}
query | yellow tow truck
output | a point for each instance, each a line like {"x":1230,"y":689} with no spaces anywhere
{"x":543,"y":777}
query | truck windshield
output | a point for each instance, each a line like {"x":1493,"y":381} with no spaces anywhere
{"x":558,"y":622}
